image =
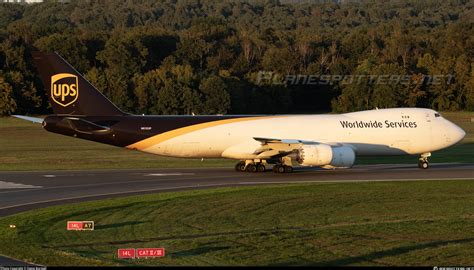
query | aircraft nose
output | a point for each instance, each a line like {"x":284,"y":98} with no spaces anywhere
{"x":457,"y":133}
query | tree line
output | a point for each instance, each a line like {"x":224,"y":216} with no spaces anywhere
{"x":207,"y":57}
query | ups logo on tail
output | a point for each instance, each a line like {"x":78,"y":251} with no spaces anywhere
{"x":64,"y":89}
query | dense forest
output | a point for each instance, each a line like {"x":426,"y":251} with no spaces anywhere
{"x":208,"y":57}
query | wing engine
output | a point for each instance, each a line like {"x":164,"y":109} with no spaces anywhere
{"x":326,"y":156}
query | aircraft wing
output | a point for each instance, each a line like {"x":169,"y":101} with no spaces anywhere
{"x":283,"y":141}
{"x":29,"y":118}
{"x":273,"y":148}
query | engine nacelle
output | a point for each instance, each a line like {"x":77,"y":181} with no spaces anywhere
{"x":326,"y":156}
{"x":342,"y":157}
{"x":314,"y":155}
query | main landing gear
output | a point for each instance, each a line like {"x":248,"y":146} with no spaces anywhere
{"x":423,"y":161}
{"x":282,"y":166}
{"x":243,"y":166}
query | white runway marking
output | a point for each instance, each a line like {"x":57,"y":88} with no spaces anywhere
{"x":168,"y":174}
{"x":49,"y":175}
{"x":11,"y":185}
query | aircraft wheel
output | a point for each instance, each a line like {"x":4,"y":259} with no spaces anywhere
{"x":288,"y":169}
{"x":276,"y":168}
{"x":260,"y":168}
{"x":423,"y":164}
{"x":242,"y":167}
{"x":251,"y":168}
{"x":238,"y":165}
{"x":281,"y":169}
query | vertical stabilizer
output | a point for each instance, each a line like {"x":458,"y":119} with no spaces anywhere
{"x":69,"y":92}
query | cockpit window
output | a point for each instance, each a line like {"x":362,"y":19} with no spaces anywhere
{"x":437,"y":115}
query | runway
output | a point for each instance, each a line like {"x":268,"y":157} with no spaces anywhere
{"x":21,"y":191}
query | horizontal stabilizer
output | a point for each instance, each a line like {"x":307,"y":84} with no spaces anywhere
{"x":29,"y":118}
{"x":84,"y":126}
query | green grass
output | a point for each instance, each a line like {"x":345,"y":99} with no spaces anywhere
{"x":26,"y":146}
{"x":384,"y":223}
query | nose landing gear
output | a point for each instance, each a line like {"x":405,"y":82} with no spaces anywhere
{"x":423,"y":161}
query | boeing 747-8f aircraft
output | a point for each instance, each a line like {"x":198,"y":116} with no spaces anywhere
{"x":328,"y":141}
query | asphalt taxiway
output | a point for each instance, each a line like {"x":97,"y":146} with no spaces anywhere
{"x":21,"y":191}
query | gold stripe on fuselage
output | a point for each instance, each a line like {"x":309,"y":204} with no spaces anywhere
{"x":149,"y":142}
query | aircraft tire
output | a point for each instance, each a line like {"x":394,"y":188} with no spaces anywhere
{"x":237,"y":166}
{"x":281,"y":169}
{"x":423,"y":165}
{"x":275,"y":168}
{"x":251,"y":168}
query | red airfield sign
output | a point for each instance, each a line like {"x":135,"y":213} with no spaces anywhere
{"x":150,"y":252}
{"x":126,"y":253}
{"x":80,"y":225}
{"x":74,"y":225}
